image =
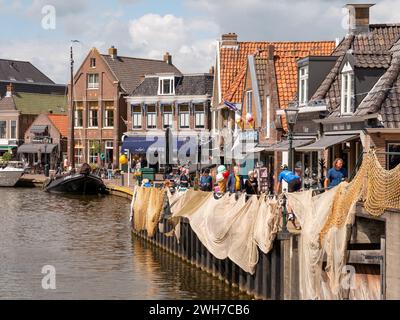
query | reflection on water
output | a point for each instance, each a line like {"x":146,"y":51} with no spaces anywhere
{"x":88,"y":241}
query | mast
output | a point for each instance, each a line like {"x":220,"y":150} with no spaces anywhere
{"x":72,"y":116}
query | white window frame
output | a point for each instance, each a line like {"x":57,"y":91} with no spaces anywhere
{"x":161,"y":86}
{"x":347,"y":90}
{"x":93,"y":65}
{"x":184,"y":118}
{"x":151,"y":119}
{"x":303,"y":86}
{"x":5,"y":129}
{"x":106,"y":118}
{"x":90,"y":124}
{"x":167,"y":117}
{"x":91,"y":142}
{"x":76,"y":124}
{"x":16,"y":130}
{"x":249,"y":101}
{"x":92,"y":84}
{"x":78,"y":153}
{"x":268,"y":117}
{"x":199,"y":117}
{"x":136,"y":118}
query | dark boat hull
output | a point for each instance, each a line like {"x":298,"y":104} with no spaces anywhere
{"x":77,"y":184}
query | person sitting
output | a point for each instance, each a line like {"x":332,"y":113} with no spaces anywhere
{"x":206,"y":181}
{"x":251,"y":185}
{"x":336,"y":174}
{"x":235,"y":181}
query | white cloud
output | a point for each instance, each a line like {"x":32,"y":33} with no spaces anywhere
{"x":191,"y":42}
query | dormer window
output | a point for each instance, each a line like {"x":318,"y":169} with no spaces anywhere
{"x":347,"y":95}
{"x":166,"y":86}
{"x":303,"y":86}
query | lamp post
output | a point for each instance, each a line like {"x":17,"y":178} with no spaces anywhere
{"x":291,"y":114}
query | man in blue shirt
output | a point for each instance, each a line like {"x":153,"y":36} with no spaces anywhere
{"x":293,"y":180}
{"x":336,"y":175}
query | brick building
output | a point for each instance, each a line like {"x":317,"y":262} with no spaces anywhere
{"x":168,"y":100}
{"x":100,"y":86}
{"x":25,"y":92}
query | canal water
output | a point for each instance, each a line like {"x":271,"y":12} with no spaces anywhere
{"x":95,"y":256}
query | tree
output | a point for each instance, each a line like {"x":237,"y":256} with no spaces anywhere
{"x":7,"y":156}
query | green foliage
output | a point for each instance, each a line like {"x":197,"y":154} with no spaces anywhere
{"x":7,"y":156}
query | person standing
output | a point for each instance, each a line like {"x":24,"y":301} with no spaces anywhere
{"x":235,"y":181}
{"x":251,"y":184}
{"x":206,"y":181}
{"x":336,"y":174}
{"x":184,"y":179}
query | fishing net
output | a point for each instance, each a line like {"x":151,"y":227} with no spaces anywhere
{"x":231,"y":228}
{"x":326,"y":220}
{"x":147,"y":204}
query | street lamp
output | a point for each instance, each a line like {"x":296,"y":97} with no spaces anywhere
{"x":291,"y":114}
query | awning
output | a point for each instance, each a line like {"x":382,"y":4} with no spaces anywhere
{"x":36,"y":148}
{"x":7,"y":147}
{"x":284,"y":145}
{"x":327,"y":141}
{"x":140,"y":144}
{"x":38,"y":129}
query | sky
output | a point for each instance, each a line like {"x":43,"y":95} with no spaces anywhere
{"x":41,"y":31}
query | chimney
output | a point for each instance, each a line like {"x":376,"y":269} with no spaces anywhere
{"x":359,"y":17}
{"x":271,"y":52}
{"x":212,"y":70}
{"x":167,"y":58}
{"x":229,"y":39}
{"x":10,"y":90}
{"x":113,"y":52}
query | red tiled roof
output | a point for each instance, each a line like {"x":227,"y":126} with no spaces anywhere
{"x":233,"y":63}
{"x":60,"y":121}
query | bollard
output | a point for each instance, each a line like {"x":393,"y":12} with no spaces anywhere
{"x":122,"y":179}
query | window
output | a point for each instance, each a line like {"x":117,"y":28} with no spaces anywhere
{"x":94,"y":147}
{"x":13,"y":129}
{"x":3,"y":129}
{"x":78,"y":118}
{"x":199,"y":116}
{"x":303,"y":86}
{"x":109,"y":146}
{"x":136,"y":117}
{"x":93,"y":117}
{"x":167,"y":117}
{"x":78,"y":152}
{"x":93,"y":62}
{"x":151,"y":117}
{"x":393,"y":160}
{"x":93,"y":81}
{"x":347,"y":101}
{"x":184,"y":117}
{"x":109,"y":118}
{"x":268,"y":117}
{"x":249,"y":101}
{"x":166,"y":86}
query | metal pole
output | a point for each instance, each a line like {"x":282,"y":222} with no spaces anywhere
{"x":129,"y":168}
{"x":72,"y":115}
{"x":290,"y":137}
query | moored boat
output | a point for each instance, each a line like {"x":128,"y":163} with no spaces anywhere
{"x":9,"y":176}
{"x":77,"y":183}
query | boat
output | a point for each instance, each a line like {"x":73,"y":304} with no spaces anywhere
{"x":9,"y":175}
{"x":83,"y":182}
